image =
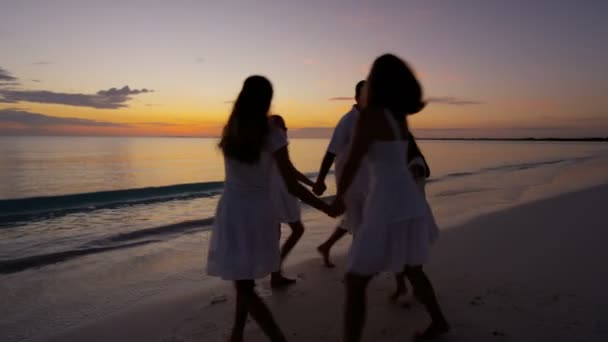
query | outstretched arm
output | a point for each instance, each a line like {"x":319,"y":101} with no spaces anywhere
{"x":319,"y":186}
{"x":289,"y":174}
{"x":328,"y":160}
{"x":302,"y":178}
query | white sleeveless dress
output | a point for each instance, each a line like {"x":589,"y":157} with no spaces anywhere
{"x":398,"y":227}
{"x":244,"y":241}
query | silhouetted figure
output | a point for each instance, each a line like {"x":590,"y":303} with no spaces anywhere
{"x":420,"y":170}
{"x":288,"y":211}
{"x":397,"y":224}
{"x":245,"y":241}
{"x":338,"y":150}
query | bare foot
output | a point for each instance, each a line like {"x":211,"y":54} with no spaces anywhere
{"x":324,"y":251}
{"x":401,"y":287}
{"x":433,"y":331}
{"x":398,"y":293}
{"x":236,"y":339}
{"x":278,"y":281}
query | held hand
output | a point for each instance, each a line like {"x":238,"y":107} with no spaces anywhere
{"x":336,"y":208}
{"x":319,"y":188}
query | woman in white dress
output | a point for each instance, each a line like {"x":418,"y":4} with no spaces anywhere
{"x":244,"y":242}
{"x":397,"y":221}
{"x":288,"y":211}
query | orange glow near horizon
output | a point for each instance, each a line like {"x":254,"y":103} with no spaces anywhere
{"x":173,"y":70}
{"x":189,"y":119}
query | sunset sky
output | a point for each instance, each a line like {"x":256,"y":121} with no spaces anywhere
{"x":489,"y":68}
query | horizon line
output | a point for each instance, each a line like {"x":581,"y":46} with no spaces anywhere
{"x":548,"y":138}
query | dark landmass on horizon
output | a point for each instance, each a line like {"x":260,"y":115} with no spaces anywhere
{"x":591,"y":139}
{"x":549,"y":139}
{"x":519,"y":139}
{"x":447,"y":139}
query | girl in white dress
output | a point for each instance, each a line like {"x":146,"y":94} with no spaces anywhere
{"x":288,"y":211}
{"x":397,"y":221}
{"x":244,"y":243}
{"x":421,"y":172}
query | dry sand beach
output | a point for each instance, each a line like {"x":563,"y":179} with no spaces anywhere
{"x":530,"y":273}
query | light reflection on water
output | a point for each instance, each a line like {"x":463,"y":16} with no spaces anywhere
{"x":44,"y":166}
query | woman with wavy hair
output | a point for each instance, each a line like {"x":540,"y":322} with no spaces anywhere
{"x":397,"y":223}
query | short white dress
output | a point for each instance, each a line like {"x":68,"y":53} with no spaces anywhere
{"x":244,"y":240}
{"x":397,"y":227}
{"x":287,"y":206}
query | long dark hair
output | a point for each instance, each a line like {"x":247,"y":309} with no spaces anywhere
{"x":393,"y":85}
{"x":245,"y":133}
{"x":413,"y":151}
{"x":278,"y":121}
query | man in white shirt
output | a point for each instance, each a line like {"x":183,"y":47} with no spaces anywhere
{"x":338,"y":150}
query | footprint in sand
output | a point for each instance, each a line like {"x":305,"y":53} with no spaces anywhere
{"x":477,"y":301}
{"x":497,"y":333}
{"x":202,"y":332}
{"x":264,"y":292}
{"x":173,"y":339}
{"x":219,"y":299}
{"x":548,"y":301}
{"x":195,"y":330}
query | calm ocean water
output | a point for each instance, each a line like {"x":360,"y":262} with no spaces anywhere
{"x":62,"y":197}
{"x":64,"y":201}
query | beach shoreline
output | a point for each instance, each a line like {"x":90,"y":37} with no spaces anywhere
{"x":527,"y":273}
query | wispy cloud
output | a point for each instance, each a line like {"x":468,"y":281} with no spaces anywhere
{"x":124,"y":91}
{"x":449,"y":100}
{"x":599,"y":119}
{"x":200,"y":60}
{"x":34,"y":120}
{"x":311,"y":61}
{"x":341,"y":98}
{"x":112,"y":98}
{"x":6,"y":76}
{"x":40,"y":63}
{"x":22,"y":121}
{"x":157,"y":124}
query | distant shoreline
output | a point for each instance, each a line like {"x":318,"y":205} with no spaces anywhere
{"x":523,"y":139}
{"x":590,"y":139}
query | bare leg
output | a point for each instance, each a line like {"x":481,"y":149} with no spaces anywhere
{"x":423,"y":290}
{"x":355,"y":307}
{"x":297,"y":230}
{"x":240,"y":317}
{"x":249,"y":301}
{"x":326,"y":246}
{"x":401,"y":286}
